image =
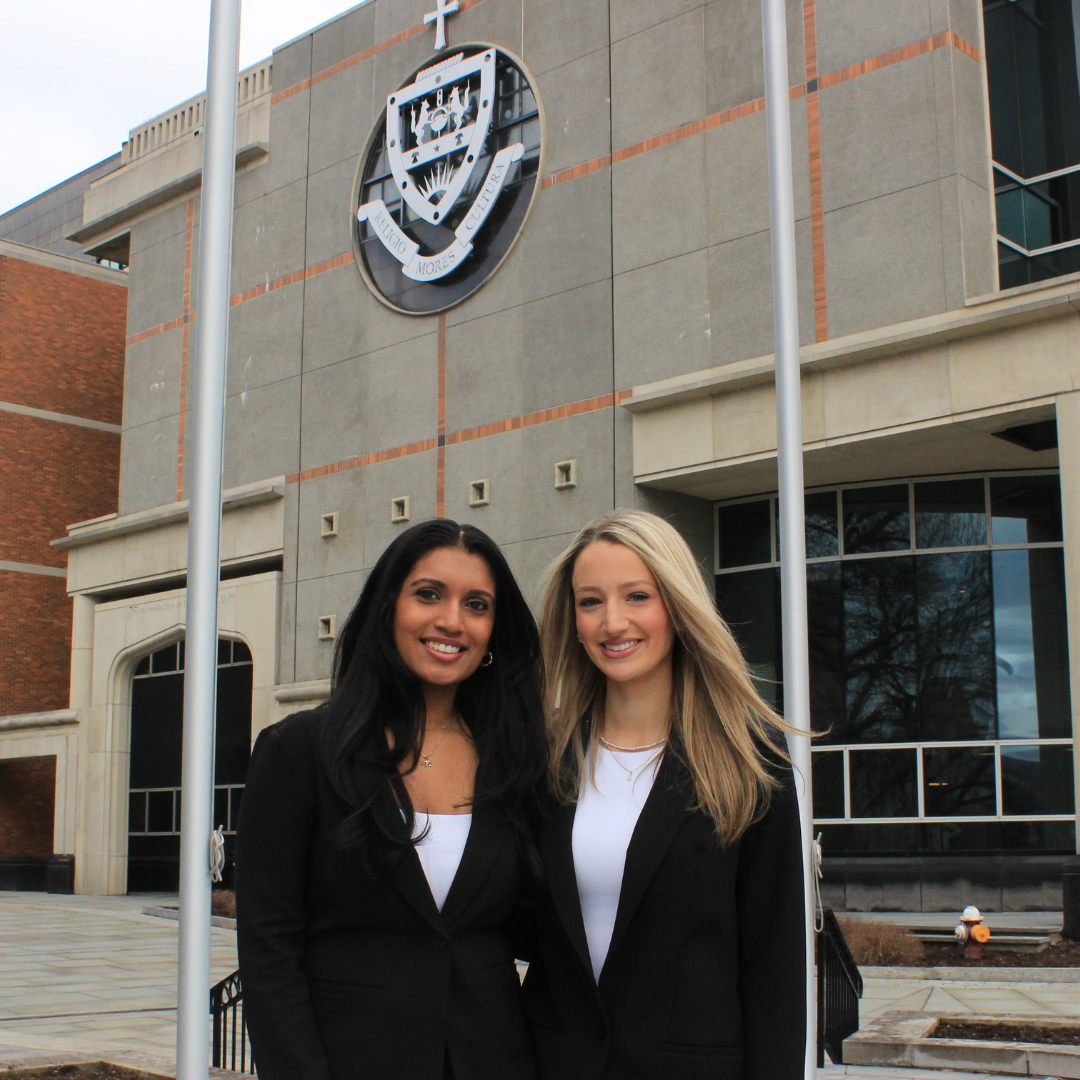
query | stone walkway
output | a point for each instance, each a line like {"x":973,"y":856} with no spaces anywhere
{"x":91,"y":974}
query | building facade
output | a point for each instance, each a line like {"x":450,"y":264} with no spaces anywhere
{"x":62,"y":326}
{"x":524,"y":297}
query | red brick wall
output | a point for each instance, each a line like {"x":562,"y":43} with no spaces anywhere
{"x":61,"y":350}
{"x":27,"y":800}
{"x":61,"y":341}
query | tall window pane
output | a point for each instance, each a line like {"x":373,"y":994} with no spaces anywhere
{"x":828,"y":778}
{"x":825,"y":621}
{"x":750,"y":603}
{"x":879,"y":650}
{"x":744,"y":534}
{"x":955,"y":646}
{"x":883,"y":783}
{"x":959,"y":781}
{"x":1031,"y":644}
{"x":1025,"y":509}
{"x":1037,"y":780}
{"x":876,"y":519}
{"x":822,"y":525}
{"x":950,"y":513}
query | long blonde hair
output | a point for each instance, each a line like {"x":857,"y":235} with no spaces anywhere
{"x":722,"y":728}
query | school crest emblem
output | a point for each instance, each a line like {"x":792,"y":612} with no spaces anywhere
{"x":447,"y":180}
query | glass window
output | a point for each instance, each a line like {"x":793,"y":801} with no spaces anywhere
{"x":950,"y":513}
{"x":750,"y":604}
{"x":1032,"y":77}
{"x":144,"y":666}
{"x":221,"y":808}
{"x":828,"y":778}
{"x":961,"y":836}
{"x":163,"y":660}
{"x":822,"y":525}
{"x":879,"y":650}
{"x":825,"y":618}
{"x":744,"y":534}
{"x":884,"y":839}
{"x":955,"y":646}
{"x":1041,"y":836}
{"x":137,"y":811}
{"x":883,"y":783}
{"x":160,"y":814}
{"x":876,"y":519}
{"x":959,"y":781}
{"x":1031,"y":644}
{"x":1037,"y":780}
{"x":1025,"y":509}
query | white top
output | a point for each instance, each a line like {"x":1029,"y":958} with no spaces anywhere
{"x":441,"y":850}
{"x":607,"y":812}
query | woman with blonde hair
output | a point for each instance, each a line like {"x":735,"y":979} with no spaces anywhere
{"x":672,"y":850}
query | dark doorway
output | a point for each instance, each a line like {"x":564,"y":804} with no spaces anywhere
{"x":157,"y":727}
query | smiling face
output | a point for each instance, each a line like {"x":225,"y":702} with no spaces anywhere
{"x":444,"y":616}
{"x":621,"y":617}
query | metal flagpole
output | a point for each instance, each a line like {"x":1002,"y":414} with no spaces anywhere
{"x":789,"y":446}
{"x":200,"y":679}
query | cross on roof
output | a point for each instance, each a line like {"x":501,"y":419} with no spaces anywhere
{"x":439,"y":16}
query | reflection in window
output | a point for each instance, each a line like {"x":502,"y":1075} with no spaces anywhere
{"x":828,"y":779}
{"x":825,"y":619}
{"x":744,"y":534}
{"x":879,"y":650}
{"x":1025,"y":509}
{"x":950,"y":513}
{"x":883,"y":783}
{"x":750,"y":603}
{"x":959,"y":781}
{"x":822,"y":521}
{"x":955,"y":646}
{"x":1036,"y":780}
{"x":1039,"y":836}
{"x":958,"y":836}
{"x":1031,"y":644}
{"x":892,"y":838}
{"x":876,"y":519}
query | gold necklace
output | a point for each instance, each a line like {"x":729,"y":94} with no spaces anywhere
{"x":425,"y":759}
{"x":630,"y":772}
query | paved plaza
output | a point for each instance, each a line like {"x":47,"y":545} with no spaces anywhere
{"x":92,"y":974}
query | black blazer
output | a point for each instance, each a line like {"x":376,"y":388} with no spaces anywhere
{"x":348,"y":976}
{"x":705,"y":976}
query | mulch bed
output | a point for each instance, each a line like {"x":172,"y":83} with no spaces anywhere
{"x":1004,"y":1032}
{"x":1064,"y":954}
{"x":91,"y":1070}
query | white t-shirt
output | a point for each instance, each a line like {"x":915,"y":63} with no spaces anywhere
{"x":604,"y":822}
{"x":441,"y":850}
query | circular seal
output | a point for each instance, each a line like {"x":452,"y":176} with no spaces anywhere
{"x":450,"y":173}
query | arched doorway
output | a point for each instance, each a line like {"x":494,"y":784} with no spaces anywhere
{"x":157,"y":725}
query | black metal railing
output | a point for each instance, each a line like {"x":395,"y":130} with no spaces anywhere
{"x":231,"y":1049}
{"x":839,"y":987}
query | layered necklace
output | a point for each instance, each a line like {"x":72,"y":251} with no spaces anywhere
{"x":613,"y":746}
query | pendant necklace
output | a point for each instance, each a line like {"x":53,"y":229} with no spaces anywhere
{"x":425,"y":759}
{"x":610,"y":746}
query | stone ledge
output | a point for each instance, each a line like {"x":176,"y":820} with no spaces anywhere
{"x":1025,"y":976}
{"x":174,"y":914}
{"x":32,"y":721}
{"x":905,"y":1040}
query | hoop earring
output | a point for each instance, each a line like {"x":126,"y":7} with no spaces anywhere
{"x":581,"y":639}
{"x":488,"y":660}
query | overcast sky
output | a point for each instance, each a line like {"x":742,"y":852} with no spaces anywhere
{"x":76,"y":75}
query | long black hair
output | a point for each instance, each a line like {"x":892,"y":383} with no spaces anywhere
{"x":374,"y":694}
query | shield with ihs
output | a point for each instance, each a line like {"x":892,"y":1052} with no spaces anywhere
{"x":435,"y":131}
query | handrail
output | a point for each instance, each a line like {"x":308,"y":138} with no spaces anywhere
{"x":230,"y":1038}
{"x":188,"y":118}
{"x":840,"y":985}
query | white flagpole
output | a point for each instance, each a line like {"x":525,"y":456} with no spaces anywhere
{"x":204,"y":527}
{"x":789,"y":448}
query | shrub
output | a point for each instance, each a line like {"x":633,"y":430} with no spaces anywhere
{"x":881,"y":944}
{"x":223,"y":902}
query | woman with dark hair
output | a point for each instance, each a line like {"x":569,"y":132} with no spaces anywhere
{"x":383,"y":842}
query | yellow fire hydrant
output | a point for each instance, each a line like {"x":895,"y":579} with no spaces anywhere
{"x":971,"y":934}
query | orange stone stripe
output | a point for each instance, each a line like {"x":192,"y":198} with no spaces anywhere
{"x":360,"y":57}
{"x":817,"y":203}
{"x":898,"y":56}
{"x":440,"y":459}
{"x":696,"y":127}
{"x":184,"y":348}
{"x":251,"y":294}
{"x":560,"y":412}
{"x":361,"y":460}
